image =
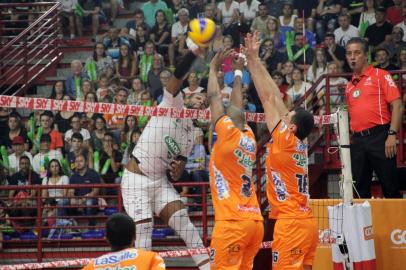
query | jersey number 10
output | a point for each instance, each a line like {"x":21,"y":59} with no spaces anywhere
{"x":302,"y":183}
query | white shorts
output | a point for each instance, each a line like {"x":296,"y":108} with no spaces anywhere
{"x":142,"y":196}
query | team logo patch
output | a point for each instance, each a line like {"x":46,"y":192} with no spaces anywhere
{"x":223,"y":190}
{"x":280,"y":187}
{"x":247,"y":144}
{"x":172,"y":145}
{"x":356,"y":93}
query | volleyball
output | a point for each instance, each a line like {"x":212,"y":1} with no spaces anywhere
{"x":202,"y":31}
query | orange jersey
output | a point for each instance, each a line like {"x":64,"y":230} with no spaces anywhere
{"x":287,"y":187}
{"x":130,"y":258}
{"x":231,"y":164}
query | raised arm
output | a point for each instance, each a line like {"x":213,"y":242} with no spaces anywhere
{"x":236,"y":95}
{"x":213,"y":88}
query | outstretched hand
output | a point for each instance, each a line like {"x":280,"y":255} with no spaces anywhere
{"x":219,"y":58}
{"x":238,"y":62}
{"x":252,"y":44}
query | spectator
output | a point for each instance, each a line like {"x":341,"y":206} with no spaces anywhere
{"x":112,"y":41}
{"x":318,"y":67}
{"x":73,"y":82}
{"x":210,"y":11}
{"x":154,"y":81}
{"x":135,"y":135}
{"x":14,"y":129}
{"x":84,"y":197}
{"x":224,"y":89}
{"x":395,"y":44}
{"x":287,"y":70}
{"x":327,"y":11}
{"x":298,"y":87}
{"x":140,"y":40}
{"x":402,"y":24}
{"x":287,"y":19}
{"x":55,"y":177}
{"x":58,"y":90}
{"x":126,"y":67}
{"x":130,"y":123}
{"x":131,"y":26}
{"x":309,"y":36}
{"x":92,"y":14}
{"x":193,"y":85}
{"x":346,"y":31}
{"x":87,"y":119}
{"x":225,"y":11}
{"x":146,"y":100}
{"x":353,"y":8}
{"x":380,"y":31}
{"x":103,"y":85}
{"x":277,"y":76}
{"x":249,"y":9}
{"x":63,"y":118}
{"x":25,"y":176}
{"x":156,"y":94}
{"x":40,"y":160}
{"x":150,"y":8}
{"x":196,"y":8}
{"x":47,"y":124}
{"x":274,"y":7}
{"x":260,"y":22}
{"x":272,"y":32}
{"x":116,"y":122}
{"x":306,"y":8}
{"x":18,"y":148}
{"x":76,"y":127}
{"x":146,"y":61}
{"x":86,"y":87}
{"x":179,"y":30}
{"x":104,"y":63}
{"x":66,"y":14}
{"x":299,"y":51}
{"x":374,"y":127}
{"x":161,"y":36}
{"x":136,"y":88}
{"x":77,"y":148}
{"x":98,"y":133}
{"x":114,"y":5}
{"x":367,"y":16}
{"x":335,"y":53}
{"x":382,"y":59}
{"x":394,"y":13}
{"x":4,"y":114}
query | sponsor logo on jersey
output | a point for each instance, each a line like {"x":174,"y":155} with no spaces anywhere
{"x":244,"y":159}
{"x":247,"y":144}
{"x":116,"y":258}
{"x":249,"y":208}
{"x":223,"y":190}
{"x":280,"y":187}
{"x":398,"y":237}
{"x":390,"y":81}
{"x":172,"y":145}
{"x":300,"y":147}
{"x":300,"y":160}
{"x":368,"y":233}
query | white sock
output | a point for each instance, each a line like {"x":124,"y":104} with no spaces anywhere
{"x":181,"y":223}
{"x":143,"y":235}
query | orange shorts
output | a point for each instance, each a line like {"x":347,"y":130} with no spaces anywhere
{"x":294,"y":243}
{"x":234,"y":244}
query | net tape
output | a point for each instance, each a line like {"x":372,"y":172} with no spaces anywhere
{"x":137,"y":110}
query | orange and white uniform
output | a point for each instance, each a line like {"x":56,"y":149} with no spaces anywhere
{"x":238,"y":228}
{"x":295,"y":234}
{"x":129,"y":258}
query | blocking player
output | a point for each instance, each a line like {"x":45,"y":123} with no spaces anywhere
{"x":238,"y":229}
{"x":161,"y":153}
{"x":120,"y":233}
{"x":295,"y":234}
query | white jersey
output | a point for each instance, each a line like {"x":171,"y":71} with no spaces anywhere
{"x":163,"y":139}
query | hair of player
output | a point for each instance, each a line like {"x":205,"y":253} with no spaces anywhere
{"x":358,"y":40}
{"x":120,"y":231}
{"x":304,"y":121}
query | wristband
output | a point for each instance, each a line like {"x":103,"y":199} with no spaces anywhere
{"x":238,"y":72}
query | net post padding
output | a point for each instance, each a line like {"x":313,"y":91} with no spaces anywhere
{"x":345,"y":156}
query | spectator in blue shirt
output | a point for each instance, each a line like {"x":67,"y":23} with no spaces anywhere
{"x":84,"y":197}
{"x":77,"y":74}
{"x":150,"y":8}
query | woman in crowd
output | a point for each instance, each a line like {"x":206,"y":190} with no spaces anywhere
{"x":56,"y":177}
{"x":226,"y":10}
{"x":367,"y":16}
{"x":319,"y":66}
{"x":96,"y":138}
{"x":126,"y":68}
{"x":58,"y":90}
{"x":161,"y":35}
{"x":273,"y":33}
{"x":217,"y":42}
{"x":140,"y":40}
{"x":62,"y":119}
{"x":104,"y":63}
{"x":135,"y":135}
{"x":88,"y":118}
{"x":136,"y":88}
{"x":287,"y":19}
{"x":130,"y":123}
{"x":87,"y":87}
{"x":287,"y":70}
{"x":298,"y":87}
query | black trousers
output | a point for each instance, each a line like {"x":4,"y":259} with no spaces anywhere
{"x":368,"y":155}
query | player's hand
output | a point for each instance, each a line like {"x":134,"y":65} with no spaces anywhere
{"x":219,"y":58}
{"x":238,"y":62}
{"x":176,"y":169}
{"x":252,"y":44}
{"x":390,"y":146}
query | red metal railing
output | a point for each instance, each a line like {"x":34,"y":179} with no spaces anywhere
{"x":41,"y":247}
{"x":32,"y":50}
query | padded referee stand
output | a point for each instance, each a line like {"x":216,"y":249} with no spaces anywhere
{"x":351,"y":225}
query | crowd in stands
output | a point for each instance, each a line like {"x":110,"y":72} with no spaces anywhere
{"x":302,"y":40}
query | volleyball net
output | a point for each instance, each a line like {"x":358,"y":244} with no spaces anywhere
{"x":79,"y":235}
